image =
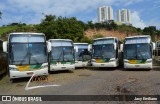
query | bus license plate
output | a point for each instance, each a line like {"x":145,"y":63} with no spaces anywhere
{"x":30,"y":73}
{"x":136,"y":65}
{"x":102,"y":64}
{"x":63,"y":67}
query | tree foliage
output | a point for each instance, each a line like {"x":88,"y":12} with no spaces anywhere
{"x":105,"y":25}
{"x":151,"y":30}
{"x":62,"y":28}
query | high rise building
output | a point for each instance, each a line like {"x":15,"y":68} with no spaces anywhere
{"x":124,"y":16}
{"x":105,"y":13}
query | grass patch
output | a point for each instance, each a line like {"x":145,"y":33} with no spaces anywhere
{"x":7,"y":29}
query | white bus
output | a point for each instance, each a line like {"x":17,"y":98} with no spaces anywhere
{"x":3,"y":59}
{"x":106,"y":52}
{"x":157,"y":51}
{"x":61,"y":56}
{"x":27,"y":54}
{"x":138,"y":51}
{"x":82,"y":54}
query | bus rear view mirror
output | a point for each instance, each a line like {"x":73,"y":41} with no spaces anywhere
{"x":121,"y":47}
{"x":89,"y":47}
{"x":115,"y":46}
{"x":49,"y":47}
{"x":76,"y":48}
{"x":5,"y":46}
{"x":154,"y":46}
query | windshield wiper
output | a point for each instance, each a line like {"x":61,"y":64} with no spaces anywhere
{"x":132,"y":58}
{"x":34,"y":59}
{"x":23,"y":58}
{"x":141,"y":56}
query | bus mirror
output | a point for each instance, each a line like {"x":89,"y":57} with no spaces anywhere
{"x":89,"y":47}
{"x":49,"y":46}
{"x":154,"y":46}
{"x":115,"y":46}
{"x":121,"y":47}
{"x":5,"y":46}
{"x":76,"y":48}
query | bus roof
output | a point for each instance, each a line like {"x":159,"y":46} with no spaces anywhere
{"x":80,"y":43}
{"x":24,"y":33}
{"x":60,"y":39}
{"x":105,"y":38}
{"x":139,"y":36}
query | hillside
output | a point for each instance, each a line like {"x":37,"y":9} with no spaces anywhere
{"x":90,"y":33}
{"x":58,"y":27}
{"x":4,"y":31}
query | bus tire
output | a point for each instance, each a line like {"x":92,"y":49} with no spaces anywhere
{"x":49,"y":71}
{"x":12,"y":80}
{"x":71,"y":71}
{"x":148,"y":69}
{"x":124,"y":69}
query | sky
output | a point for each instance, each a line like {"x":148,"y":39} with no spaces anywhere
{"x":144,"y":12}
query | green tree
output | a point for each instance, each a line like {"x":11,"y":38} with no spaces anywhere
{"x":98,"y":36}
{"x":90,"y":24}
{"x":85,"y":39}
{"x":151,"y":30}
{"x":48,"y":26}
{"x":62,"y":27}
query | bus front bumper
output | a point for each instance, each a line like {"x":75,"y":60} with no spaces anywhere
{"x":138,"y":66}
{"x":62,"y":67}
{"x":21,"y":74}
{"x":109,"y":64}
{"x":80,"y":64}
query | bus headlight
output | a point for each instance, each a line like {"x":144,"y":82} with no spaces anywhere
{"x":13,"y":69}
{"x":112,"y":60}
{"x":76,"y":61}
{"x":93,"y":60}
{"x":45,"y":66}
{"x":125,"y":61}
{"x":149,"y":61}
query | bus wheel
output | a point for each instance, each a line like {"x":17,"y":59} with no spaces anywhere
{"x":12,"y":80}
{"x":123,"y":69}
{"x":148,"y":69}
{"x":49,"y":71}
{"x":71,"y":71}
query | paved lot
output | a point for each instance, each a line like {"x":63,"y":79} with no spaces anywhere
{"x":90,"y":81}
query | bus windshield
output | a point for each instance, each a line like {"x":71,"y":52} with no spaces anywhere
{"x":82,"y":55}
{"x":62,"y":53}
{"x":77,"y":57}
{"x":27,"y":53}
{"x":137,"y":51}
{"x":104,"y":51}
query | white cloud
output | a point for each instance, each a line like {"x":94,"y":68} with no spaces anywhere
{"x":26,"y":8}
{"x":136,"y":20}
{"x":125,"y":2}
{"x":10,"y":19}
{"x":129,"y":2}
{"x":31,"y":11}
{"x":58,"y":7}
{"x":154,"y":22}
{"x":62,"y":6}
